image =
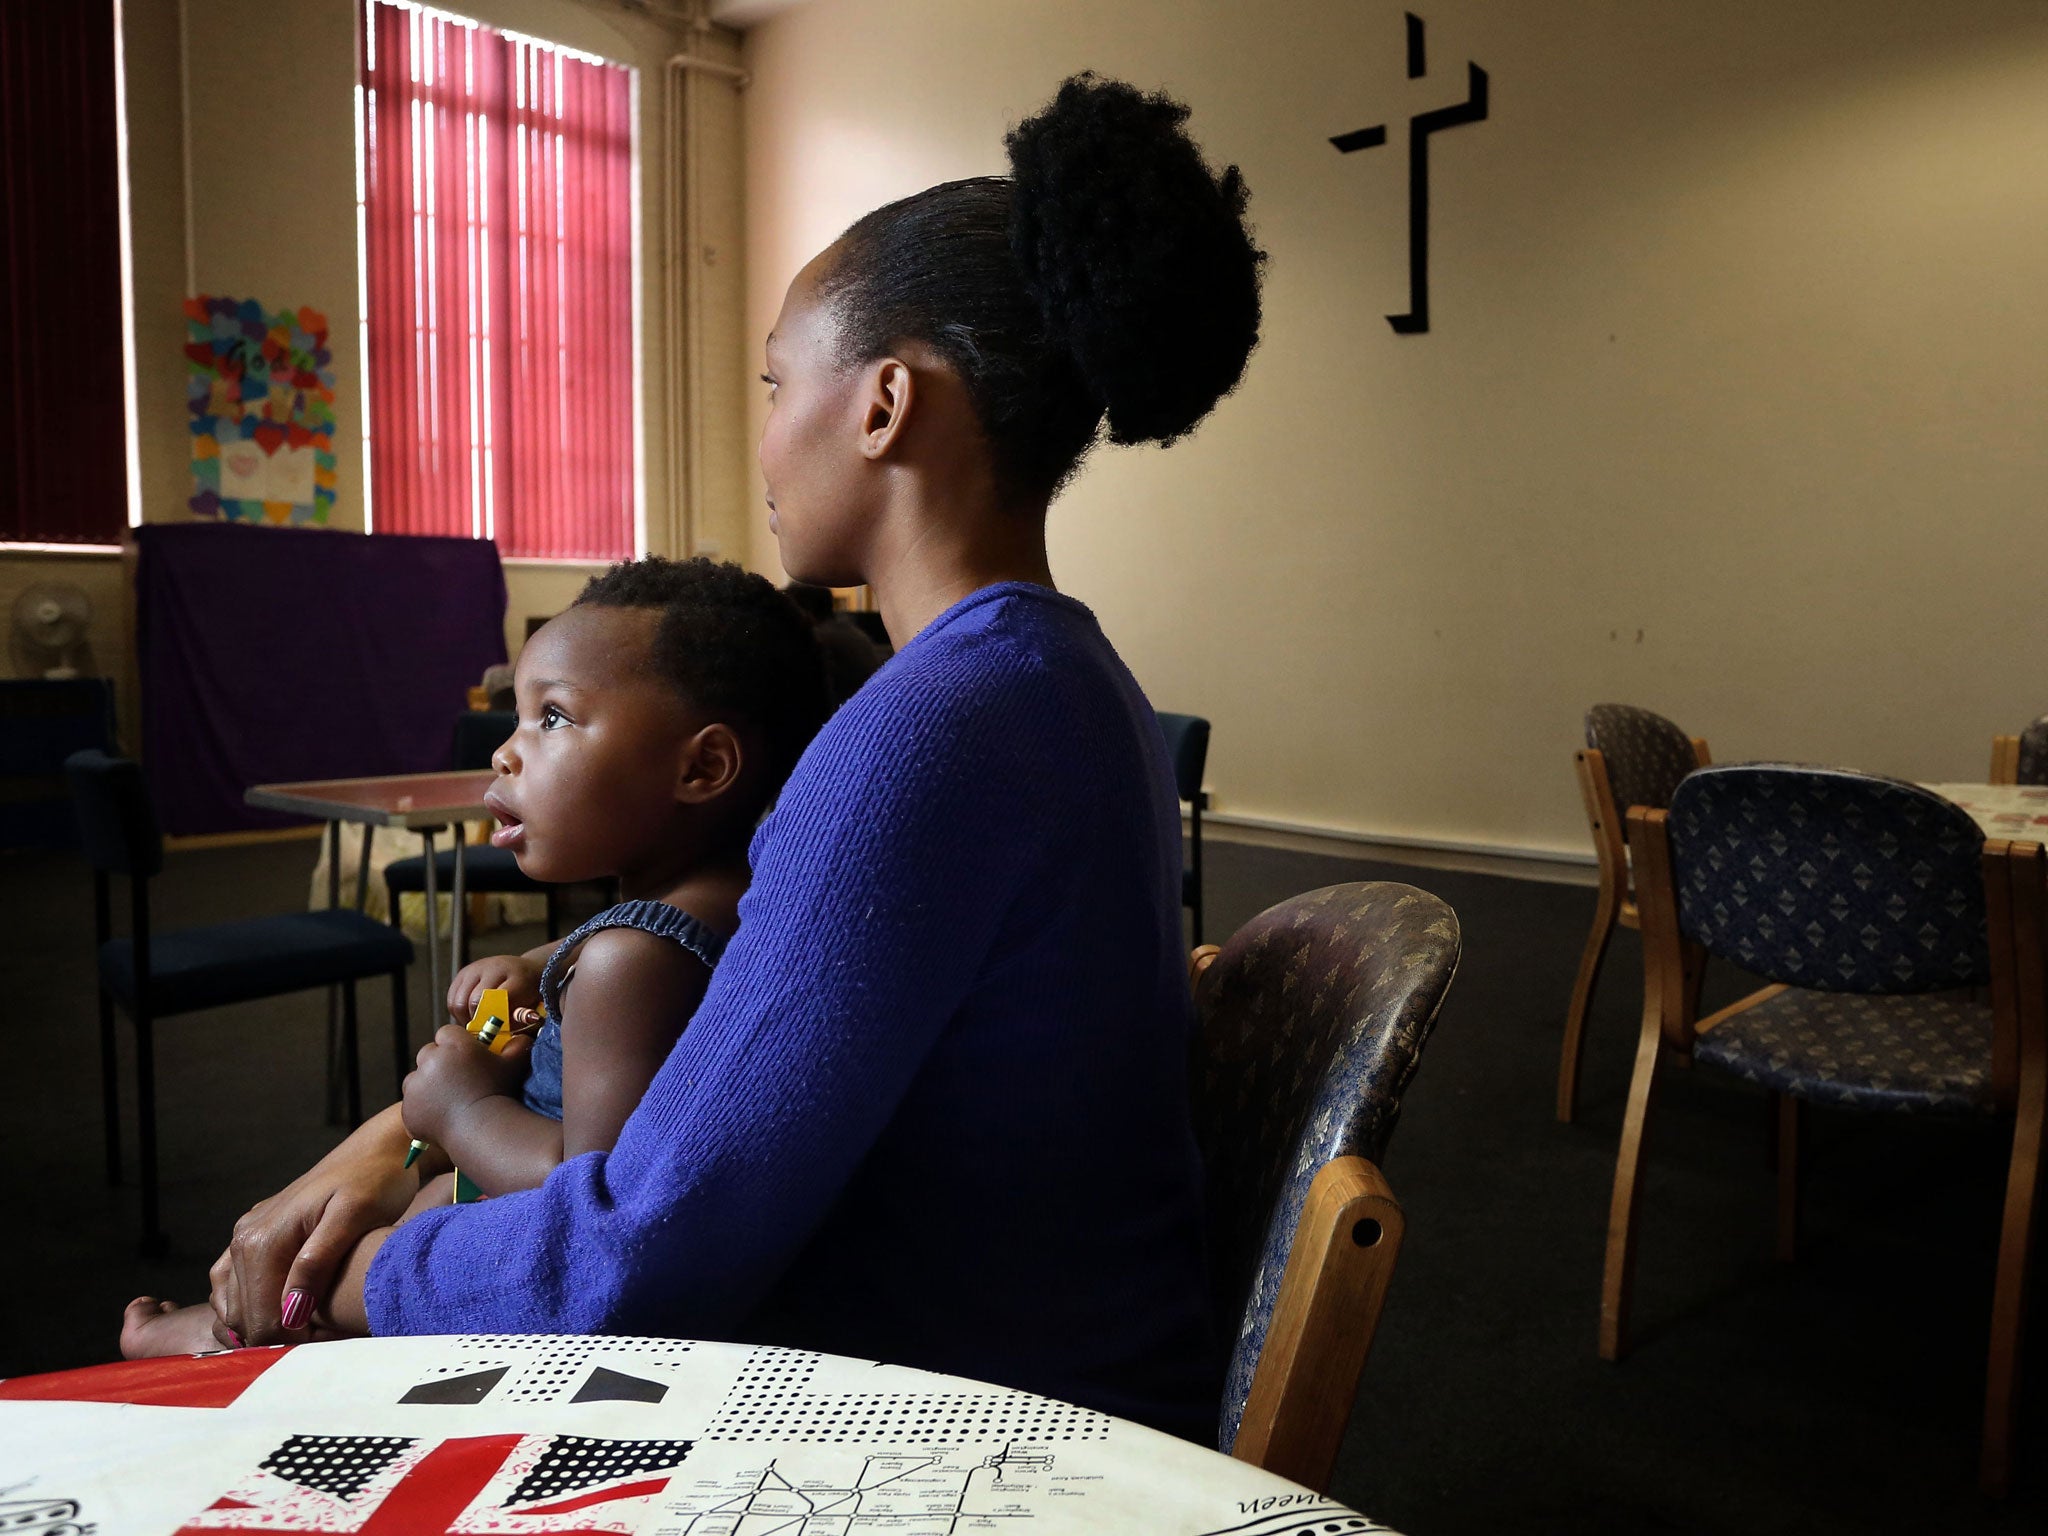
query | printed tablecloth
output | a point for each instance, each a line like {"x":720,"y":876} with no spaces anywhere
{"x":410,"y":1437}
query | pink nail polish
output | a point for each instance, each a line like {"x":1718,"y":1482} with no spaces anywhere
{"x":235,"y":1339}
{"x":297,"y":1304}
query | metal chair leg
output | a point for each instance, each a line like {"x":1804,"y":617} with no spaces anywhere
{"x":145,"y":1105}
{"x":401,"y":1032}
{"x":110,"y":1087}
{"x":350,"y":1064}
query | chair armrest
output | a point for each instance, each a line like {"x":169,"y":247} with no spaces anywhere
{"x":1700,"y":753}
{"x":1199,"y":961}
{"x":1324,"y":1319}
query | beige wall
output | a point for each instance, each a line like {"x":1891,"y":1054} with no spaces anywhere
{"x":273,"y":216}
{"x":1732,"y":406}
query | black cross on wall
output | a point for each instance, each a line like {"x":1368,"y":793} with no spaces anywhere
{"x":1471,"y":110}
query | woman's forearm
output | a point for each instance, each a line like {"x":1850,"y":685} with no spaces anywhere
{"x":342,"y":1310}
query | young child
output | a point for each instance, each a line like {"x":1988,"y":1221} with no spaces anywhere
{"x":658,"y":717}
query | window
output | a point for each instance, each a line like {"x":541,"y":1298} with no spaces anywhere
{"x":66,"y":461}
{"x":498,"y":260}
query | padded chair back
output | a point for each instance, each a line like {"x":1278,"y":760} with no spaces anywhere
{"x":1311,"y":1024}
{"x":480,"y":732}
{"x":1825,"y":878}
{"x":2033,"y":767}
{"x":1646,"y":755}
{"x":116,"y":820}
{"x":1187,"y":748}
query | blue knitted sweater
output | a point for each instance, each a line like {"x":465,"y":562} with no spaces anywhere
{"x":934,"y":1107}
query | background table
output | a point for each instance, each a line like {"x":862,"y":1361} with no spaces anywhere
{"x":2015,"y":811}
{"x":419,"y":1436}
{"x":422,"y":802}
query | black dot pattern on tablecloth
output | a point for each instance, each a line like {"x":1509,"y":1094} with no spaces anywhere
{"x":550,"y":1371}
{"x":772,"y":1400}
{"x":340,"y":1465}
{"x":572,"y":1463}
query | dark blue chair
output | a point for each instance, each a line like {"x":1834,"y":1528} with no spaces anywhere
{"x":1311,"y":1023}
{"x":486,"y":870}
{"x":157,"y":975}
{"x":1187,"y":748}
{"x":1874,"y":909}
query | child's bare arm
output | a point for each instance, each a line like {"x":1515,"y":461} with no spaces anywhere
{"x":632,"y":995}
{"x":463,"y":1100}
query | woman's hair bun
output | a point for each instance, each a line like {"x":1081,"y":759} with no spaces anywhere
{"x":1136,"y":252}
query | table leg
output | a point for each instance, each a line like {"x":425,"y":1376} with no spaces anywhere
{"x":458,"y":919}
{"x":435,"y":991}
{"x":363,"y":869}
{"x":334,"y":1048}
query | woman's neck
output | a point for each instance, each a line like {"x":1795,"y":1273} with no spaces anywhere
{"x":953,"y":558}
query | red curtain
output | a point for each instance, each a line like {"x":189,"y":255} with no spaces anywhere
{"x":63,"y":401}
{"x":498,"y":210}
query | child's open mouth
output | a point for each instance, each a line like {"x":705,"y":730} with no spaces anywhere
{"x":510,"y":830}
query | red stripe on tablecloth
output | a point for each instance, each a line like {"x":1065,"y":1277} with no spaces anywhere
{"x":175,"y":1381}
{"x":638,"y":1490}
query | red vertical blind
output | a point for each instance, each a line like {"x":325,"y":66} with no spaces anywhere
{"x":498,"y":222}
{"x":63,"y":402}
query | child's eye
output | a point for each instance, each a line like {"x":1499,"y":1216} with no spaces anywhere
{"x":550,"y":717}
{"x":765,"y":379}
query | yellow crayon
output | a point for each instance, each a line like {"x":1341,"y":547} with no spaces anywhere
{"x":488,"y":1025}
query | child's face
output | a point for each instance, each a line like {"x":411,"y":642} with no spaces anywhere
{"x":587,"y":783}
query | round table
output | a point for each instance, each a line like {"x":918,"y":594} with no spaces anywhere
{"x":410,"y":1437}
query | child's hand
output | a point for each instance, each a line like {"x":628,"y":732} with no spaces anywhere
{"x":519,"y":976}
{"x":454,"y":1072}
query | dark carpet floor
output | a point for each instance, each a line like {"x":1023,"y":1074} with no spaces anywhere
{"x":1840,"y":1394}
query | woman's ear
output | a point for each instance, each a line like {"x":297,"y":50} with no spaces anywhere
{"x":891,"y":394}
{"x":710,"y":765}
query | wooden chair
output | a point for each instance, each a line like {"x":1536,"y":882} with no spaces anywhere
{"x":1858,"y":899}
{"x":1311,"y":1024}
{"x":1631,"y":757}
{"x":2021,"y":759}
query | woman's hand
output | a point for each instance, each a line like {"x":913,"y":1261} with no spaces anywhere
{"x":519,"y":975}
{"x":297,"y":1239}
{"x":454,"y":1072}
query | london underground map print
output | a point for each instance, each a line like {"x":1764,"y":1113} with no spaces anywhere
{"x":598,"y":1437}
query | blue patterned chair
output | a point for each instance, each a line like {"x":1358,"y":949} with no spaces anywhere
{"x":1631,"y":757}
{"x":2021,"y":759}
{"x":1868,"y":905}
{"x":1187,"y":748}
{"x":1311,"y":1024}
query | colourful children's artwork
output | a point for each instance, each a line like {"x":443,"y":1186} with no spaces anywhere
{"x":260,"y":391}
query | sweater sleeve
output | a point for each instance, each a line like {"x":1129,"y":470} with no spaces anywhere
{"x":881,"y":883}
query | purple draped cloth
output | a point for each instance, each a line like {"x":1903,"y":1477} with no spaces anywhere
{"x":275,"y":654}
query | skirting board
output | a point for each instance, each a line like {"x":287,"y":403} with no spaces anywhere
{"x":1554,"y":865}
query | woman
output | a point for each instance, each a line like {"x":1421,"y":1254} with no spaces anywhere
{"x":933,"y":1108}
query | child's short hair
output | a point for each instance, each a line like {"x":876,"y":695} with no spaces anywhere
{"x":731,"y":645}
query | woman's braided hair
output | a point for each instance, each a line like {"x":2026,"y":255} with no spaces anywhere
{"x":1111,"y":274}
